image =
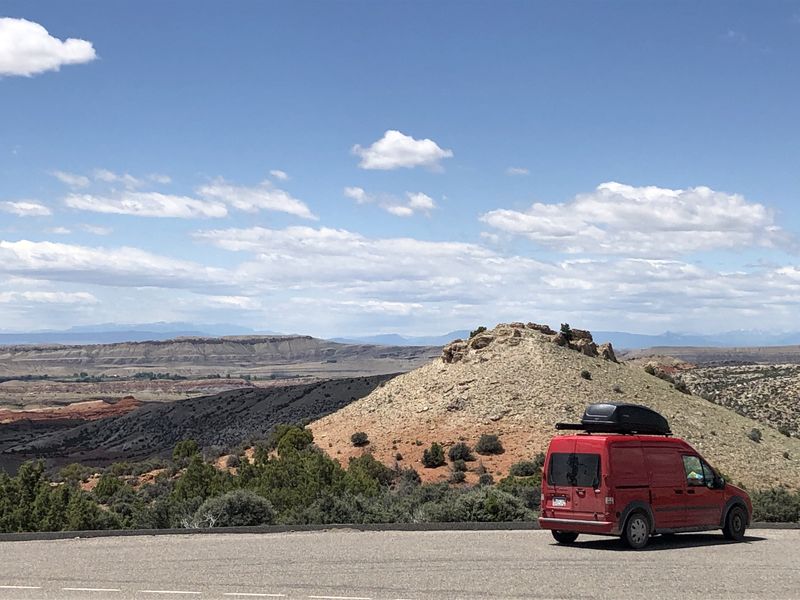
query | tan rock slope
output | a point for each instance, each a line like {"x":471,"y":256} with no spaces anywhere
{"x":514,"y":381}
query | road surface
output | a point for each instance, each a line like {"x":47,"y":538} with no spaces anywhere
{"x":393,"y":565}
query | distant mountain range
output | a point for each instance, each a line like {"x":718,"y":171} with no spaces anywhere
{"x":111,"y":333}
{"x":115,"y":333}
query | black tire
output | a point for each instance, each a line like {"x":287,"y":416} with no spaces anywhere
{"x":735,"y":524}
{"x":637,"y":531}
{"x":564,"y":537}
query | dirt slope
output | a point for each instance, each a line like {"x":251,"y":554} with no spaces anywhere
{"x":518,"y":386}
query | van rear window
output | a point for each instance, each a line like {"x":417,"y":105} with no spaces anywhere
{"x":573,"y":469}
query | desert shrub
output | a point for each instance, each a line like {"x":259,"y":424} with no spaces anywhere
{"x":489,"y":443}
{"x":373,"y":468}
{"x":106,"y":487}
{"x":786,"y":455}
{"x":784,"y":430}
{"x":478,"y":504}
{"x":538,"y":460}
{"x":239,"y":508}
{"x":406,"y":481}
{"x":185,"y":449}
{"x":524,"y":468}
{"x":460,"y":451}
{"x":433,"y":457}
{"x":457,"y":477}
{"x":359,"y":438}
{"x":486,"y":479}
{"x":477,"y":331}
{"x":233,"y":461}
{"x":75,"y":472}
{"x":459,"y":465}
{"x":755,"y":435}
{"x":294,"y":439}
{"x":776,"y":505}
{"x":650,"y":370}
{"x":566,"y":331}
{"x":586,"y":374}
{"x":527,"y":489}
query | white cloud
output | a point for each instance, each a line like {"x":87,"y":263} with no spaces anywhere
{"x":59,"y":231}
{"x":358,"y":194}
{"x":25,"y":208}
{"x":160,"y":178}
{"x":396,"y":150}
{"x":280,"y":175}
{"x":147,"y":204}
{"x":123,"y":267}
{"x":97,"y":229}
{"x":399,"y":210}
{"x":420,"y":202}
{"x":48,"y":297}
{"x":517,"y":171}
{"x":253,"y":199}
{"x":27,"y":49}
{"x":643,"y":221}
{"x":415,"y":201}
{"x":71,"y":179}
{"x":129,"y":181}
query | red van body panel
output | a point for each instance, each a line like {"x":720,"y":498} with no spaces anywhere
{"x":591,"y":483}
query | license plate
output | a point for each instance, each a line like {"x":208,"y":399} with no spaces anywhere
{"x":559,"y":501}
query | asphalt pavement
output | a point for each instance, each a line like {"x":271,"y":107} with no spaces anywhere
{"x":400,"y":565}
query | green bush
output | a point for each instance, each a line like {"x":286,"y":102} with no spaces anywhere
{"x":185,"y":449}
{"x":433,"y":457}
{"x":776,"y":505}
{"x":586,"y":374}
{"x":477,"y":331}
{"x":527,"y":489}
{"x":478,"y":504}
{"x":459,"y":465}
{"x":460,"y":451}
{"x":566,"y":331}
{"x":486,"y":479}
{"x":489,"y":443}
{"x":457,"y":477}
{"x":524,"y":468}
{"x":755,"y":435}
{"x":359,"y":439}
{"x":239,"y":508}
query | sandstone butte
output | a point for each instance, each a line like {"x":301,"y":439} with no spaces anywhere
{"x":517,"y":381}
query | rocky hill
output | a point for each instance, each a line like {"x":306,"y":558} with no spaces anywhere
{"x":767,"y":393}
{"x":222,"y":420}
{"x":516,"y":381}
{"x":262,"y":356}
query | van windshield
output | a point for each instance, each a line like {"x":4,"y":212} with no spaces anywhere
{"x":574,"y":469}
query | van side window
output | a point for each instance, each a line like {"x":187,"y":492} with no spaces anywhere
{"x":694,"y":470}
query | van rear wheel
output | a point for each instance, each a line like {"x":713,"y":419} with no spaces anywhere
{"x":564,"y":537}
{"x":735,"y":524}
{"x":637,"y":531}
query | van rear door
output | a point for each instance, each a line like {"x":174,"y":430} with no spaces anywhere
{"x":574,"y":476}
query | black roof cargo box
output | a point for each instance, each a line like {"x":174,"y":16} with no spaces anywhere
{"x":620,"y":418}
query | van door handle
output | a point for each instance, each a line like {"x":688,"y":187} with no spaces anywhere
{"x":678,"y":491}
{"x":581,"y":493}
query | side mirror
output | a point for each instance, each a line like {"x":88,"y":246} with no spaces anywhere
{"x":719,"y":482}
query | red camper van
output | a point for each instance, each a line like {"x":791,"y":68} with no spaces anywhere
{"x":626,"y":475}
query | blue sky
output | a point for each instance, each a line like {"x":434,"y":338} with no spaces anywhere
{"x":359,"y":167}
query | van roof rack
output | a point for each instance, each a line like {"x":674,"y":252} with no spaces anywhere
{"x":619,"y":418}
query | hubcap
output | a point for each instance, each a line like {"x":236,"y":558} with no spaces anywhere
{"x":737,"y":522}
{"x":638,"y":530}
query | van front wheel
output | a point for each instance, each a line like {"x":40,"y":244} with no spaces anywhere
{"x":564,"y":537}
{"x":735,"y":524}
{"x":637,"y":531}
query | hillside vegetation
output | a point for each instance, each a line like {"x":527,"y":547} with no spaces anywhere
{"x":516,"y":382}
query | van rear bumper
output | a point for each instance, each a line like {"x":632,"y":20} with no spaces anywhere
{"x":579,"y":525}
